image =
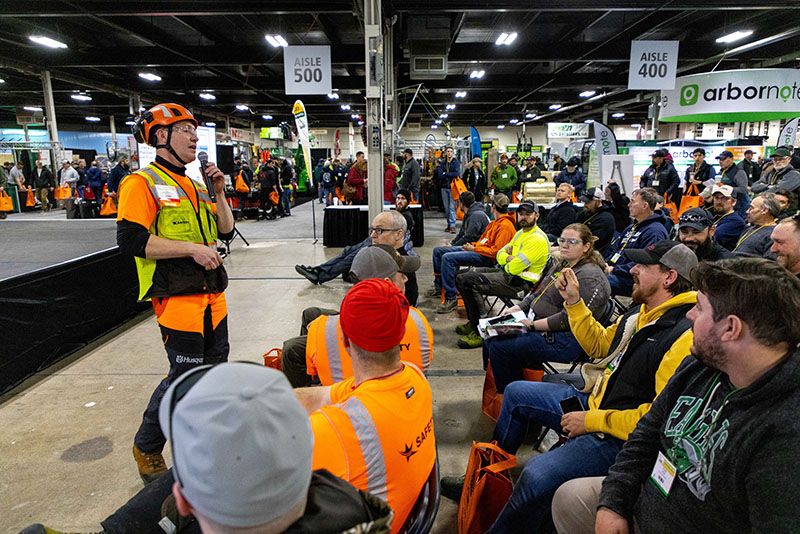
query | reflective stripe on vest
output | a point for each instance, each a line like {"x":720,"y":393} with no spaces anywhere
{"x":332,"y":348}
{"x":370,"y":444}
{"x":424,"y":341}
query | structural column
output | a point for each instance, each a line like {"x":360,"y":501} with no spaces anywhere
{"x":373,"y":49}
{"x":50,"y":114}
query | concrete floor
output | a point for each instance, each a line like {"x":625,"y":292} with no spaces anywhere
{"x":65,"y":451}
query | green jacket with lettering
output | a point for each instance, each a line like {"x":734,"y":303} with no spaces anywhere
{"x":504,"y":178}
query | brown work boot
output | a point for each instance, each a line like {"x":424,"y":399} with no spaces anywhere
{"x":150,"y":465}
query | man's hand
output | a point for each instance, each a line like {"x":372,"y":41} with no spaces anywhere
{"x":574,"y":424}
{"x":207,"y":257}
{"x":508,"y":249}
{"x":609,"y":522}
{"x":469,"y":247}
{"x":567,"y":284}
{"x":217,"y":177}
{"x":609,"y":269}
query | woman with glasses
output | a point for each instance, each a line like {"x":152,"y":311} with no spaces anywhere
{"x":549,"y":337}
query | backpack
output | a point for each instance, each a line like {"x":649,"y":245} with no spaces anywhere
{"x":327,"y":178}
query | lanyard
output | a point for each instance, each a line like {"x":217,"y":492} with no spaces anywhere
{"x":718,"y":220}
{"x":751,"y":232}
{"x":629,"y":237}
{"x":586,"y":222}
{"x":553,"y":278}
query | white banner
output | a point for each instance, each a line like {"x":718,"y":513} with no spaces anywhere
{"x":567,"y":129}
{"x":788,"y":133}
{"x":749,"y":95}
{"x":653,"y":65}
{"x":618,"y":167}
{"x":307,"y":70}
{"x":605,"y":143}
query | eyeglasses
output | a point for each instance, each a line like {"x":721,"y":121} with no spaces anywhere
{"x":185,"y":129}
{"x":572,"y":241}
{"x":379,"y":231}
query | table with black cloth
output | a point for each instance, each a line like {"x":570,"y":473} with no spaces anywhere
{"x":347,"y":225}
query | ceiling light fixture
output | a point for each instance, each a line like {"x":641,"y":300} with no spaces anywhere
{"x":333,"y":96}
{"x":355,"y":116}
{"x":130,"y":123}
{"x":361,"y":123}
{"x":589,"y":121}
{"x":501,"y":126}
{"x":513,"y":121}
{"x":46,"y":41}
{"x":443,"y":116}
{"x":81,"y":97}
{"x":32,"y":108}
{"x":637,"y":125}
{"x":150,"y":77}
{"x":477,"y":74}
{"x":461,"y":94}
{"x":93,"y":119}
{"x":210,"y":124}
{"x":345,"y":107}
{"x":506,"y":38}
{"x":2,"y":80}
{"x":276,"y":41}
{"x":617,"y":115}
{"x":555,"y":106}
{"x":207,"y":96}
{"x":587,"y":94}
{"x":530,"y":116}
{"x":735,"y":36}
{"x":438,"y":121}
{"x":434,"y":126}
{"x":451,"y":106}
{"x":266,"y":117}
{"x":242,"y":107}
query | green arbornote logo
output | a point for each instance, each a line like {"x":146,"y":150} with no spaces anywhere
{"x":689,"y":94}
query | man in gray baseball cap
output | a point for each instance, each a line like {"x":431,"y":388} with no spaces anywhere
{"x":670,"y":254}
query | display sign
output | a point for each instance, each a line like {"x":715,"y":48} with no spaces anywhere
{"x":206,"y":141}
{"x":653,"y":65}
{"x":271,"y":132}
{"x":618,"y":167}
{"x":749,"y":95}
{"x":237,"y":134}
{"x":788,"y":133}
{"x":307,"y":70}
{"x":567,"y":129}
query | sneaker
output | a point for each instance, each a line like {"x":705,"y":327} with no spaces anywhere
{"x":473,"y":340}
{"x":447,"y":306}
{"x":38,"y":528}
{"x":464,"y":329}
{"x":308,"y":272}
{"x":433,"y":293}
{"x":150,"y":465}
{"x":452,"y":487}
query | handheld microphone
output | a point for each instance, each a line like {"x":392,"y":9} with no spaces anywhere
{"x":202,"y":157}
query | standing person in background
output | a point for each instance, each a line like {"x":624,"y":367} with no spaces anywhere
{"x":116,"y":175}
{"x":662,"y":177}
{"x":390,"y":174}
{"x":530,"y":173}
{"x":4,"y":170}
{"x":268,"y":181}
{"x":17,"y":176}
{"x":449,"y":170}
{"x":96,"y":180}
{"x":699,"y":173}
{"x":44,"y":182}
{"x":69,"y":176}
{"x":287,"y":180}
{"x":504,"y":177}
{"x":318,"y":178}
{"x":735,"y":177}
{"x":357,"y":177}
{"x":572,"y":176}
{"x":474,"y":178}
{"x":328,"y":182}
{"x":411,"y":175}
{"x":750,"y":167}
{"x":558,"y":163}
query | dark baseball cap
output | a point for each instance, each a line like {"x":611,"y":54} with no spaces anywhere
{"x":697,"y":218}
{"x":748,"y":151}
{"x":660,"y":153}
{"x":725,"y":154}
{"x":528,"y":205}
{"x":781,"y":153}
{"x":593,"y":193}
{"x":408,"y":151}
{"x":670,"y":254}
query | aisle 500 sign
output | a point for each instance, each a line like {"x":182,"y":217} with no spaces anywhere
{"x":307,"y":70}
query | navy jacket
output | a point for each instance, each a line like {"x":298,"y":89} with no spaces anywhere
{"x":95,"y":177}
{"x":575,"y":179}
{"x":115,"y":177}
{"x":728,"y":229}
{"x":637,"y":235}
{"x":665,"y":180}
{"x":448,"y":173}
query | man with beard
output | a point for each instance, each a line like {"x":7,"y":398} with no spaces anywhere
{"x":783,"y":175}
{"x":786,"y":244}
{"x":728,"y":225}
{"x":401,"y":203}
{"x":633,"y":360}
{"x":717,"y":450}
{"x":696,"y":231}
{"x":735,"y":177}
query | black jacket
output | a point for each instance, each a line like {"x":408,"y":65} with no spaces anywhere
{"x":619,"y":204}
{"x":714,"y":252}
{"x":558,"y":218}
{"x":43,"y":179}
{"x":474,"y":178}
{"x":601,"y":224}
{"x":751,"y":169}
{"x":705,"y":173}
{"x":665,"y":180}
{"x":472,"y":227}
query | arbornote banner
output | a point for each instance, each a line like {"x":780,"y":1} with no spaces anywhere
{"x":733,"y":96}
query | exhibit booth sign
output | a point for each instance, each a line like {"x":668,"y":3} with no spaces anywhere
{"x":747,"y":95}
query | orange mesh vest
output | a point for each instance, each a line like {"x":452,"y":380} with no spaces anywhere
{"x":327,"y":358}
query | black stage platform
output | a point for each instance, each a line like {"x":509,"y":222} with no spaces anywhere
{"x":63,"y":284}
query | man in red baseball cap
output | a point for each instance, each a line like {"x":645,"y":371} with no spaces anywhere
{"x":375,"y":429}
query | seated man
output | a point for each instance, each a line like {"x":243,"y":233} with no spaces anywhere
{"x":786,"y":244}
{"x":401,"y":204}
{"x":646,"y":229}
{"x":728,"y":226}
{"x":696,"y":231}
{"x":319,"y":350}
{"x":521,"y":263}
{"x":762,"y":215}
{"x":786,"y":199}
{"x":717,"y":450}
{"x":375,"y":429}
{"x":253,"y":473}
{"x":561,"y":215}
{"x":636,"y":357}
{"x":598,"y":215}
{"x":479,"y":252}
{"x":388,"y":228}
{"x":475,"y":220}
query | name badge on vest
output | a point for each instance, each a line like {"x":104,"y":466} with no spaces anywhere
{"x":505,"y":175}
{"x":655,"y":183}
{"x":663,"y":474}
{"x":168,"y":195}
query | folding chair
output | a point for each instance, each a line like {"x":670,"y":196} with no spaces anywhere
{"x":420,"y":518}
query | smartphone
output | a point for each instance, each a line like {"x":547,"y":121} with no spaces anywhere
{"x":571,"y":404}
{"x":501,"y":319}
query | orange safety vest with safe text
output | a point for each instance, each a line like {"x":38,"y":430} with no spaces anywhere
{"x":327,"y":358}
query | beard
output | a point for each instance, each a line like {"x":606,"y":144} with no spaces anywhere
{"x":640,"y":294}
{"x":708,"y":350}
{"x":526,"y":224}
{"x":704,"y":249}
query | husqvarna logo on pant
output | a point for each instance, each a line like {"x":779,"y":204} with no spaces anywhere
{"x":689,"y":94}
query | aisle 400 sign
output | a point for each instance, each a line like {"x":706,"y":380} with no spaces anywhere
{"x":653,"y":65}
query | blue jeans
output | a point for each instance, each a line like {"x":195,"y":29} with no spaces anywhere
{"x":583,"y":456}
{"x":449,"y":207}
{"x":620,"y":285}
{"x":286,"y":200}
{"x":329,"y":193}
{"x":446,"y":261}
{"x":511,"y":354}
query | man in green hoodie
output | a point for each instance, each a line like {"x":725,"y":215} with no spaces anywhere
{"x":504,"y":177}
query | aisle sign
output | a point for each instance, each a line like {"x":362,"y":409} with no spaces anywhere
{"x":567,"y":129}
{"x":653,"y":65}
{"x":307,"y":70}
